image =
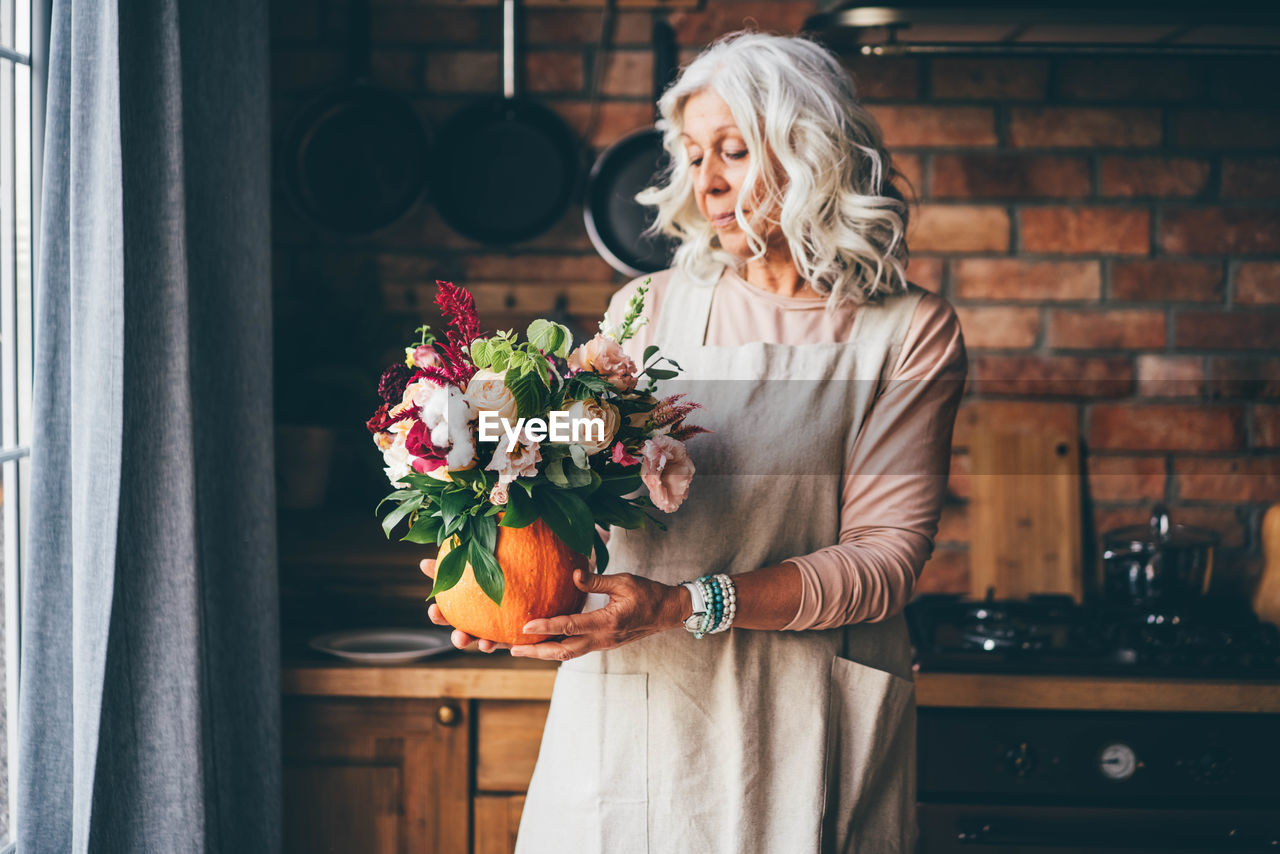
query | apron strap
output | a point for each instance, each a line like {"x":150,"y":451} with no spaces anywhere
{"x":685,"y":314}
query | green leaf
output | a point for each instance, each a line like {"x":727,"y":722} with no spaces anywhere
{"x":579,"y":455}
{"x":481,"y":352}
{"x":550,"y":337}
{"x":455,"y":502}
{"x":648,"y":353}
{"x":528,"y":396}
{"x":487,"y":572}
{"x":521,"y":511}
{"x":567,"y":516}
{"x":661,"y":373}
{"x":611,"y":510}
{"x":424,"y":529}
{"x":485,"y":531}
{"x":393,"y":518}
{"x":621,"y":484}
{"x":398,"y":495}
{"x":602,"y":551}
{"x":594,"y":382}
{"x":449,"y":570}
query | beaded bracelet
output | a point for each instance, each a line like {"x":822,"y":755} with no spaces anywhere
{"x":729,"y":602}
{"x":709,"y":619}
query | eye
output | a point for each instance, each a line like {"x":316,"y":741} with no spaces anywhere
{"x":697,"y":161}
{"x":736,"y":155}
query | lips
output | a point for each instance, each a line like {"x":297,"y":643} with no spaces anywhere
{"x":723,"y":220}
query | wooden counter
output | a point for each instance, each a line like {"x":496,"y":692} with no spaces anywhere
{"x":479,"y":676}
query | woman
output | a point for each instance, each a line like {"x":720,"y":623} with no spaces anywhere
{"x":831,"y":385}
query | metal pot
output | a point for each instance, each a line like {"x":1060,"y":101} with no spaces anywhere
{"x":1157,"y":563}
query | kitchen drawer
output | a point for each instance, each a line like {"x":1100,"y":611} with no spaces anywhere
{"x":508,"y":734}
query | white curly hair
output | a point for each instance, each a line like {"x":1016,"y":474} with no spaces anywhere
{"x":842,"y":216}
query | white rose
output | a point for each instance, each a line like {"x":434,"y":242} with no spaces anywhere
{"x":583,"y":410}
{"x":487,"y":392}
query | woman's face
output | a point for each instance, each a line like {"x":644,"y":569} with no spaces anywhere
{"x":718,"y":160}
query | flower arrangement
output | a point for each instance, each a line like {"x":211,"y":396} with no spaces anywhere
{"x":458,"y":478}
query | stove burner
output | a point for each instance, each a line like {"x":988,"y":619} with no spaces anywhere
{"x":1052,"y":634}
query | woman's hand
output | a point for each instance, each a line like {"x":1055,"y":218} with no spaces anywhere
{"x":460,"y":639}
{"x":638,"y":607}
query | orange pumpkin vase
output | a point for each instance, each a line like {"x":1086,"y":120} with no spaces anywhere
{"x":538,"y":570}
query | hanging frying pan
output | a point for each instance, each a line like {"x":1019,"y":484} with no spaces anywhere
{"x":355,"y":159}
{"x":506,"y":168}
{"x":615,"y":220}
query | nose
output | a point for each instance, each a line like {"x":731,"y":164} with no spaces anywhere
{"x":709,"y":177}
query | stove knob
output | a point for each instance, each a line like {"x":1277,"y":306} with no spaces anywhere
{"x":1020,"y":760}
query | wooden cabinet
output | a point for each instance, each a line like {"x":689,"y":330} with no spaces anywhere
{"x":382,"y":776}
{"x":404,"y":776}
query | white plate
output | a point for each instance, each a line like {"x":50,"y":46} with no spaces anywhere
{"x":384,"y":646}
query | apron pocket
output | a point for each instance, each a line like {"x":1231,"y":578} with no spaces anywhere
{"x":589,"y":791}
{"x":870,"y":779}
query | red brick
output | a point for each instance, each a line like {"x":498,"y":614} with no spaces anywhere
{"x":1013,"y":415}
{"x":1165,"y":427}
{"x":1227,"y":128}
{"x":717,"y":19}
{"x":1000,"y":79}
{"x":947,"y":571}
{"x":471,"y":71}
{"x":1226,"y":330}
{"x":959,"y":228}
{"x":924,"y":127}
{"x":1266,"y":426}
{"x":998,"y":326}
{"x":1050,"y":376}
{"x":953,"y":524}
{"x":553,"y":71}
{"x":1251,"y":177}
{"x":1149,"y":80}
{"x":575,"y":28}
{"x":1258,"y":283}
{"x":878,"y":78}
{"x":1159,"y":177}
{"x":628,"y":73}
{"x":1083,"y":127}
{"x":1085,"y":230}
{"x":1162,"y":280}
{"x":616,"y":119}
{"x":1126,"y":478}
{"x":1010,"y":176}
{"x":1106,"y":329}
{"x":1244,"y":377}
{"x":427,"y":25}
{"x":1238,"y":479}
{"x":1222,"y":520}
{"x":572,"y":268}
{"x":1247,"y":81}
{"x":925,"y":272}
{"x":1170,"y":376}
{"x":306,"y":70}
{"x":1027,"y":281}
{"x":910,"y":168}
{"x":1220,"y":231}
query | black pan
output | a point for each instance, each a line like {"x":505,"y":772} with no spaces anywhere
{"x":355,"y":159}
{"x":615,"y":220}
{"x":506,"y":168}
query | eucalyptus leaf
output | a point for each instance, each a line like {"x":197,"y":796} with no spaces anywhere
{"x":579,"y":455}
{"x":661,"y":373}
{"x":648,"y":353}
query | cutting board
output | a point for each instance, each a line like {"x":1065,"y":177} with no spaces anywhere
{"x":1266,"y":600}
{"x":1024,"y":510}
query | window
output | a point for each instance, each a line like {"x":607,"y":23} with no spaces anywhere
{"x":16,"y":304}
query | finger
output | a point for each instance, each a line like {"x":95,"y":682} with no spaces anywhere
{"x":428,"y":567}
{"x":435,"y":615}
{"x":461,"y":639}
{"x":487,"y":645}
{"x":571,"y":624}
{"x":554,"y":650}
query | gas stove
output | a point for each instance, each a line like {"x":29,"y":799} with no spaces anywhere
{"x":1044,"y":780}
{"x":1055,"y":635}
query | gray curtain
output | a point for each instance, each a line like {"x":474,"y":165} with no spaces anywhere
{"x":149,"y":693}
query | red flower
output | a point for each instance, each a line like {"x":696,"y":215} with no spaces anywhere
{"x":622,"y":458}
{"x":457,"y":304}
{"x":427,"y":457}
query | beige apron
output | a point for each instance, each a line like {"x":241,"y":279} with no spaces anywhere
{"x":743,"y":741}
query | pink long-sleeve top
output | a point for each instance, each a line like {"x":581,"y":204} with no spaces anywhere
{"x":896,"y":475}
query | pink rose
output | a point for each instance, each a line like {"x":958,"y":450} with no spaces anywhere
{"x":604,"y":356}
{"x":425,"y":357}
{"x":498,"y":495}
{"x":665,"y":468}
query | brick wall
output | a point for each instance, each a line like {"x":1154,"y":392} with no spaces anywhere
{"x":1107,"y":228}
